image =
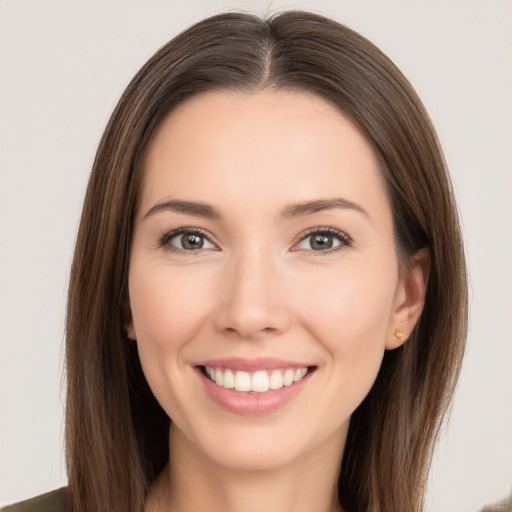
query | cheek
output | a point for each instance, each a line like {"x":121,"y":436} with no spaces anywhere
{"x":350,"y":319}
{"x":168,"y":309}
{"x":167,"y":306}
{"x":354,"y":303}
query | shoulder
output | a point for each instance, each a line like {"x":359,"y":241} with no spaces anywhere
{"x":54,"y":501}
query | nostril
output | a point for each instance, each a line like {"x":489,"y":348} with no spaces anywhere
{"x":248,"y":333}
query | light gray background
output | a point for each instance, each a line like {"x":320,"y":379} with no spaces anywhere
{"x":63,"y":66}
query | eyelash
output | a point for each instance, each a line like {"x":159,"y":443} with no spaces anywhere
{"x":164,"y":241}
{"x":343,"y":239}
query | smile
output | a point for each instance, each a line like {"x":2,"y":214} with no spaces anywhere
{"x":259,"y":382}
{"x":253,"y":387}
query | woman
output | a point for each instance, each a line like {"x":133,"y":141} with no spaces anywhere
{"x":269,"y":255}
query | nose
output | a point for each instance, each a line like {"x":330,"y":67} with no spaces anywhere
{"x":253,"y":301}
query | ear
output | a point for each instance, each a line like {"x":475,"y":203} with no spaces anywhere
{"x":130,"y":331}
{"x":128,"y":319}
{"x":409,"y":299}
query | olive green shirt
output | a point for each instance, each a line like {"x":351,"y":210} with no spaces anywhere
{"x":54,"y":501}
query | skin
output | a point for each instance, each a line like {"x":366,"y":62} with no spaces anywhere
{"x":258,"y":288}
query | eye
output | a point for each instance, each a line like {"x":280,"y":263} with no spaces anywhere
{"x":186,"y":240}
{"x":324,"y":240}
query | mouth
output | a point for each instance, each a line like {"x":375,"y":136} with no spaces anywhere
{"x":259,"y":381}
{"x":253,"y":387}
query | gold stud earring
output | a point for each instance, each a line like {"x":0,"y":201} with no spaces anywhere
{"x":399,"y":334}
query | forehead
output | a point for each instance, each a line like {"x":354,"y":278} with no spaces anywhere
{"x":290,"y":144}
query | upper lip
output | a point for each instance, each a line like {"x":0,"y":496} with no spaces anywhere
{"x":252,"y":365}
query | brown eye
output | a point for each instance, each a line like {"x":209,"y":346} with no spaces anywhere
{"x":324,"y":240}
{"x":321,"y":242}
{"x":191,"y":242}
{"x":186,"y":240}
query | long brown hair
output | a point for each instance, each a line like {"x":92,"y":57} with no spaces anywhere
{"x":116,"y":432}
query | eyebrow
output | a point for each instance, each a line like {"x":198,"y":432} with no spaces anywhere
{"x":187,"y":207}
{"x":309,"y":207}
{"x":199,"y":209}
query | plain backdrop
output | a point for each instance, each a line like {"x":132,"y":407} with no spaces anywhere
{"x":63,"y":66}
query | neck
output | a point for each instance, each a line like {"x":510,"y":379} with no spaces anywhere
{"x":192,"y":482}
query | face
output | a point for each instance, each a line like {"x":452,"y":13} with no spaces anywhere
{"x":263,"y":259}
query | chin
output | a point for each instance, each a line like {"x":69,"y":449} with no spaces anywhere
{"x":267,"y":444}
{"x":254,"y":457}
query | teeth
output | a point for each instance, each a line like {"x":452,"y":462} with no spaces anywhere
{"x":276,"y":380}
{"x":218,"y":377}
{"x":242,"y":381}
{"x":229,"y":380}
{"x":258,"y":382}
{"x":288,"y":377}
{"x":299,"y":373}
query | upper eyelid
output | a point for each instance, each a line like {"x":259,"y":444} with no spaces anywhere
{"x":169,"y":235}
{"x":324,"y":229}
{"x":345,"y":239}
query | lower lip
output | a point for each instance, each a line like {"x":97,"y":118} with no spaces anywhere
{"x":252,"y":404}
